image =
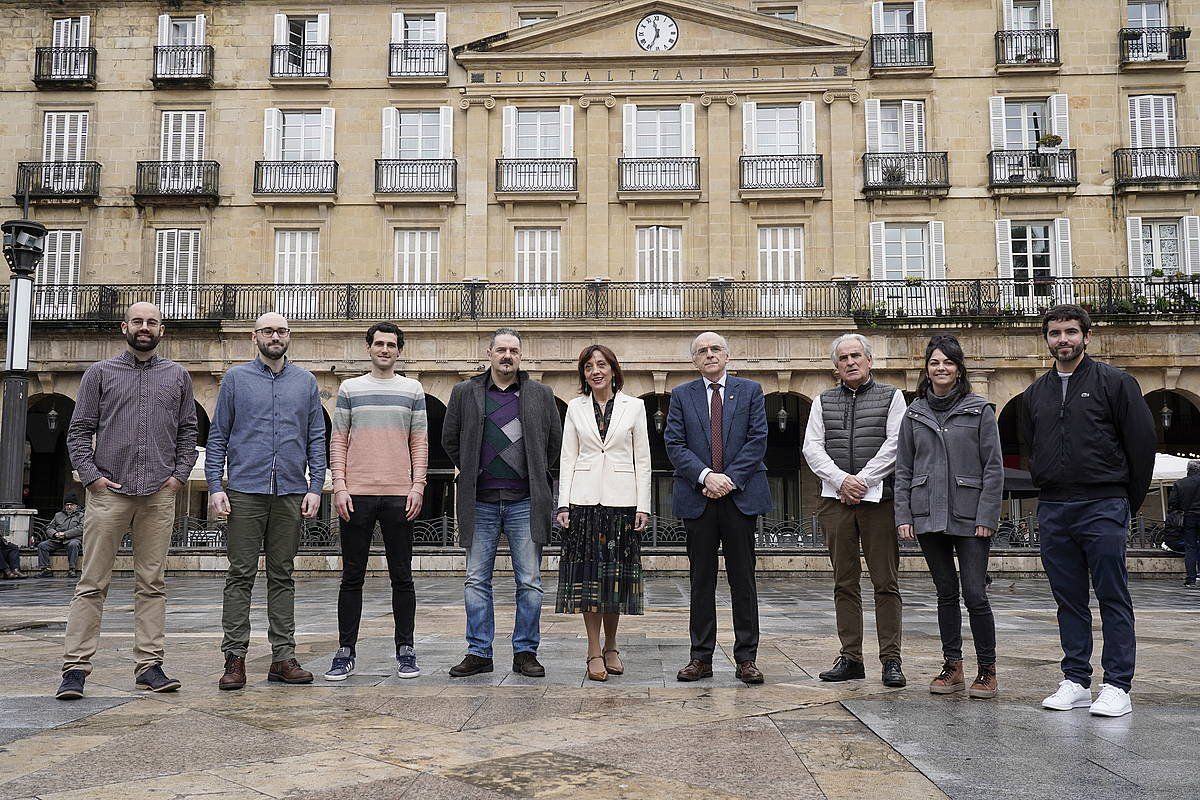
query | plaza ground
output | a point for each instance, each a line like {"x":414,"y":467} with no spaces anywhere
{"x":640,"y":735}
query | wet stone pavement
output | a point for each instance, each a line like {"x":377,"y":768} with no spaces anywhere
{"x":640,"y":735}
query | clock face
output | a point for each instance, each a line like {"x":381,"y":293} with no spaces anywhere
{"x":657,"y":32}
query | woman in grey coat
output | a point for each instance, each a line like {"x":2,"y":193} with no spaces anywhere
{"x":949,"y":480}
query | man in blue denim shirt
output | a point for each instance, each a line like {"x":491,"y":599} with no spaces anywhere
{"x":269,"y":426}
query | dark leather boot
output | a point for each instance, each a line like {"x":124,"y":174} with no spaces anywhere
{"x":289,"y":671}
{"x":949,"y":680}
{"x":235,"y":673}
{"x":986,"y":685}
{"x":844,"y":669}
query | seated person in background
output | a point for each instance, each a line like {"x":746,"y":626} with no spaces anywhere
{"x":65,"y":531}
{"x":10,"y":560}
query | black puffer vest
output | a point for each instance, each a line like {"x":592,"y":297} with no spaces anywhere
{"x":856,"y":425}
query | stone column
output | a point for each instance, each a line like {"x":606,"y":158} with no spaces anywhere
{"x":599,"y":165}
{"x":842,"y":175}
{"x":720,"y":216}
{"x":473,"y":180}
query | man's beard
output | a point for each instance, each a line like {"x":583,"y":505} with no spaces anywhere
{"x":1075,"y":353}
{"x":142,"y":345}
{"x":265,"y":349}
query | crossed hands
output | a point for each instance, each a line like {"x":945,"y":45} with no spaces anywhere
{"x":853,"y":490}
{"x":717,"y":485}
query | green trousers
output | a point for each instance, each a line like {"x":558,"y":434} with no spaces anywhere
{"x":271,"y":524}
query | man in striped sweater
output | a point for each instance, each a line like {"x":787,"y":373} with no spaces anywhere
{"x":378,"y":454}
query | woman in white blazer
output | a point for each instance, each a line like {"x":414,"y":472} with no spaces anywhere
{"x":604,"y":504}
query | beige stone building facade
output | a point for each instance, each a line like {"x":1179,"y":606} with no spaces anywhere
{"x":627,"y":172}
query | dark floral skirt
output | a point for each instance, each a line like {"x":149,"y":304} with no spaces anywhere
{"x":600,"y":569}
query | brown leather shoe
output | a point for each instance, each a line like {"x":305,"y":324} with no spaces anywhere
{"x":235,"y":673}
{"x":949,"y":680}
{"x":602,"y":674}
{"x":694,"y":671}
{"x":986,"y":685}
{"x":747,"y":673}
{"x":289,"y":671}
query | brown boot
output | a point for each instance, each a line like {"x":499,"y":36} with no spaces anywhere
{"x":235,"y":673}
{"x":289,"y":671}
{"x":949,"y":680}
{"x":986,"y":685}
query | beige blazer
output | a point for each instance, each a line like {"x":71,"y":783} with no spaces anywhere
{"x":613,"y":472}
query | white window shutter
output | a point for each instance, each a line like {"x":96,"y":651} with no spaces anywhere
{"x":85,"y":30}
{"x":281,"y":29}
{"x":877,"y":241}
{"x":1133,"y":241}
{"x":1007,"y":7}
{"x":1046,"y":12}
{"x":1167,"y":136}
{"x":62,"y":33}
{"x":1062,"y":243}
{"x":808,"y":127}
{"x":164,"y":30}
{"x":171,"y":136}
{"x":1191,"y":245}
{"x":439,"y":27}
{"x":1004,"y":259}
{"x":629,"y":130}
{"x":996,"y":113}
{"x":166,"y":256}
{"x":391,"y":130}
{"x":1059,"y":119}
{"x":912,"y":113}
{"x":919,"y":16}
{"x":566,"y":133}
{"x":871,"y":111}
{"x":509,"y":146}
{"x":322,"y":29}
{"x":687,"y":120}
{"x":272,"y":134}
{"x":446,"y":142}
{"x":1135,"y":121}
{"x":749,"y":128}
{"x":877,"y":17}
{"x":51,"y":134}
{"x":397,"y":27}
{"x":201,"y":29}
{"x":937,"y":251}
{"x":326,"y":134}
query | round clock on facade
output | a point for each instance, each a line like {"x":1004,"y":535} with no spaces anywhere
{"x":657,"y":32}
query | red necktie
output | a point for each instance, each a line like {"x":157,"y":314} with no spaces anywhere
{"x":714,"y":423}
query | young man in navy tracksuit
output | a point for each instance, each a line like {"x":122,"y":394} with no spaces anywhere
{"x":1092,"y":439}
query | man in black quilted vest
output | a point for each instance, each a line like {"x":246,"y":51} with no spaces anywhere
{"x":850,"y":444}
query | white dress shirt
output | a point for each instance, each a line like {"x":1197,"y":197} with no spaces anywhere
{"x":873,"y":472}
{"x":708,"y":390}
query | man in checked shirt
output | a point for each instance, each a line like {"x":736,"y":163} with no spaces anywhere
{"x":139,"y":407}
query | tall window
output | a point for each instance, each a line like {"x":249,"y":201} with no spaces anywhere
{"x":177,"y":270}
{"x":905,"y":252}
{"x":415,"y":265}
{"x":659,"y":265}
{"x":420,"y":134}
{"x":64,"y":142}
{"x":538,"y":133}
{"x":895,"y":18}
{"x":1152,"y":128}
{"x":69,"y":35}
{"x":301,"y":45}
{"x":59,"y":269}
{"x":296,"y":262}
{"x":182,"y":136}
{"x":904,"y":255}
{"x":301,"y":136}
{"x":1034,"y":256}
{"x":1161,"y":246}
{"x":779,"y":130}
{"x":181,"y":31}
{"x":781,"y":265}
{"x":1033,"y":260}
{"x":538,"y":266}
{"x":420,"y":29}
{"x":895,"y":126}
{"x":1024,"y":124}
{"x":659,"y":132}
{"x":1147,"y":14}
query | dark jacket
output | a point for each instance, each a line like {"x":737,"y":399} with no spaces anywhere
{"x":950,"y":476}
{"x":1185,"y":497}
{"x":541,"y":433}
{"x":744,"y":436}
{"x":1098,"y":443}
{"x":71,"y":525}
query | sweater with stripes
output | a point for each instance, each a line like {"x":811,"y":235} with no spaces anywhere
{"x":380,"y":439}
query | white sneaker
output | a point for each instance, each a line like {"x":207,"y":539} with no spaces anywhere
{"x":1111,"y":702}
{"x":1069,"y":695}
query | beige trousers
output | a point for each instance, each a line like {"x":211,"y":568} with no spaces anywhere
{"x":109,"y":517}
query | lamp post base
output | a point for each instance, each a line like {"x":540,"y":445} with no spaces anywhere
{"x":12,"y":438}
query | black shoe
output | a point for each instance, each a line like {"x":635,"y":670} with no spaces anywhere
{"x":72,"y":574}
{"x":46,"y":573}
{"x":471,"y":665}
{"x":844,"y":669}
{"x":156,"y":680}
{"x":892,"y":676}
{"x":526,"y":664}
{"x":71,"y":687}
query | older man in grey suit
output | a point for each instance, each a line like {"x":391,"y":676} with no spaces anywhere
{"x":502,"y":431}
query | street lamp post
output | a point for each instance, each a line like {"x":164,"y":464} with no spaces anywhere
{"x":24,"y":245}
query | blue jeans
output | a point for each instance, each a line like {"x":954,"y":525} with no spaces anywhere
{"x":510,"y":517}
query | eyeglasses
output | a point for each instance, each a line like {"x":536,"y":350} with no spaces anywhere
{"x":269,"y":332}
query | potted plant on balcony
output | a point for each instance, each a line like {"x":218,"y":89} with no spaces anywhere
{"x":1049,"y":143}
{"x":894,"y":173}
{"x":1157,"y":276}
{"x":913,"y":280}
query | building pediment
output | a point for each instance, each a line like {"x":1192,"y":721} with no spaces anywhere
{"x":703,"y":31}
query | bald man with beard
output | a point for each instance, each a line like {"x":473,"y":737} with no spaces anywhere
{"x":270,"y":430}
{"x":138,"y":406}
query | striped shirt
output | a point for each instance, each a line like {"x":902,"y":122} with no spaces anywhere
{"x":143,"y":416}
{"x":380,"y":439}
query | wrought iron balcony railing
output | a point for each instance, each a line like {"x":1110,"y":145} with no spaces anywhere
{"x":1146,"y":165}
{"x":912,"y":301}
{"x":667,"y":174}
{"x":295,"y":61}
{"x":536,"y":175}
{"x":1140,"y":45}
{"x":415,"y":175}
{"x":183,"y":64}
{"x":1027,"y":47}
{"x":782,"y":172}
{"x":64,"y":66}
{"x":58,"y":179}
{"x":417,"y":60}
{"x":182,"y":179}
{"x":1032,"y":168}
{"x":901,"y":50}
{"x":295,"y":177}
{"x":904,"y":171}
